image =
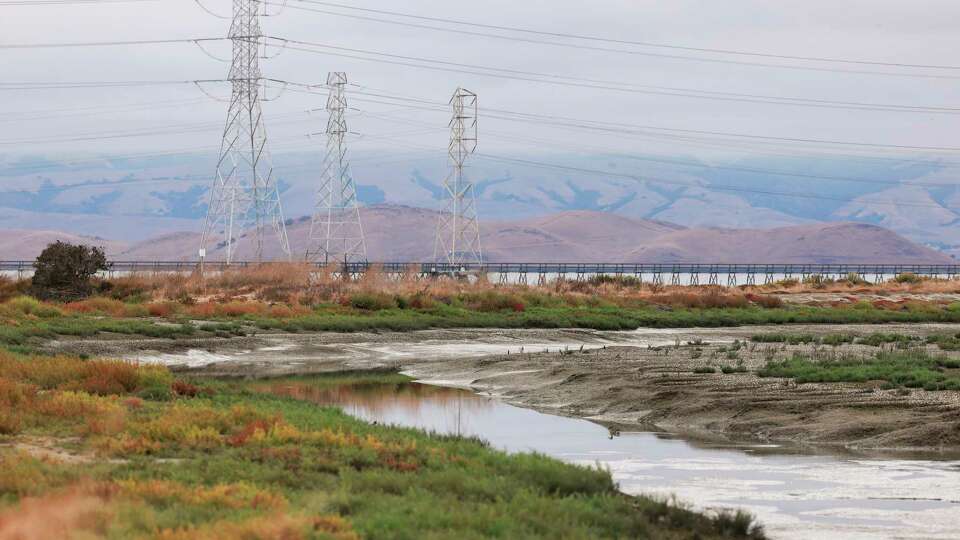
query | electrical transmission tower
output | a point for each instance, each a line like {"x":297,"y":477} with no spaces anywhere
{"x":336,"y":233}
{"x":458,"y":229}
{"x":245,"y":196}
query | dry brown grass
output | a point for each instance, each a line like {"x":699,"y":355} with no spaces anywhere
{"x":57,"y":515}
{"x":285,"y":290}
{"x":921,"y":286}
{"x":87,"y":508}
{"x":258,"y":290}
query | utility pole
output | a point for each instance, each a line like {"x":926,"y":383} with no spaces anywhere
{"x":336,"y":233}
{"x":244,"y":200}
{"x":458,"y":229}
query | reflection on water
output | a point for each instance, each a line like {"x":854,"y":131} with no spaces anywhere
{"x":433,"y":408}
{"x":795,"y":496}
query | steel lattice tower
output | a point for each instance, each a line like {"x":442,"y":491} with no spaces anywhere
{"x":458,"y":229}
{"x":336,"y":233}
{"x":245,"y":197}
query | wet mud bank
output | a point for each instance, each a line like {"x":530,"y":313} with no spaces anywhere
{"x":626,"y":380}
{"x":630,"y":387}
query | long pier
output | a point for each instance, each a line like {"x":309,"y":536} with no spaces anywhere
{"x":729,"y":274}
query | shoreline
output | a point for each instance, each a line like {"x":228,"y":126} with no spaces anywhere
{"x":622,"y":380}
{"x":628,"y":388}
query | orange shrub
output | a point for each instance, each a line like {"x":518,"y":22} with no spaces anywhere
{"x":203,"y":311}
{"x":494,"y":301}
{"x":76,"y":405}
{"x":236,"y":495}
{"x":187,"y":425}
{"x":162,"y":309}
{"x":104,"y":377}
{"x":185,"y":389}
{"x":71,"y":373}
{"x":420,"y":300}
{"x":712,"y":299}
{"x":239,"y":309}
{"x":277,"y":526}
{"x":10,"y":422}
{"x":30,"y":307}
{"x":286,"y":312}
{"x":229,"y":309}
{"x":109,"y":421}
{"x":125,"y":444}
{"x":14,"y":394}
{"x":98,"y":305}
{"x":336,"y":526}
{"x":131,"y":285}
{"x":77,"y":511}
{"x":133,"y":403}
{"x":766,"y":301}
{"x":256,"y":429}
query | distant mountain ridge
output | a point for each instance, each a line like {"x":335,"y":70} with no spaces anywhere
{"x":25,"y":245}
{"x":401,"y":234}
{"x":139,"y":198}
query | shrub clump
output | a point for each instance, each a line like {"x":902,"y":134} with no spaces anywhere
{"x":907,"y":278}
{"x":493,"y":301}
{"x":791,"y":339}
{"x":372,"y":301}
{"x":63,"y":271}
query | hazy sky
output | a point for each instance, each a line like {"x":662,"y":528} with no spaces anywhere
{"x":923,"y":32}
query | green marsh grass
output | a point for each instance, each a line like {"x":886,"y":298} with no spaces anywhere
{"x":230,"y":458}
{"x":910,"y":369}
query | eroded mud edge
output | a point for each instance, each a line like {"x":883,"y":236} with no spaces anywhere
{"x":619,"y":379}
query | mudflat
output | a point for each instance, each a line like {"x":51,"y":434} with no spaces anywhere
{"x":646,"y":378}
{"x":625,"y":386}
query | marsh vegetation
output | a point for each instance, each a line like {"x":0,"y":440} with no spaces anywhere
{"x":116,"y":450}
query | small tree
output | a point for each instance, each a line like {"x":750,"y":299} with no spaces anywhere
{"x":63,"y":271}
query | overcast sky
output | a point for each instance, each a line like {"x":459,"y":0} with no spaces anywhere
{"x":922,"y":32}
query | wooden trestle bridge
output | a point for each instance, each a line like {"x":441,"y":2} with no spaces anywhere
{"x":729,"y":274}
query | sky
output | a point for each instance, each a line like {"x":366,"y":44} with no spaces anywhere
{"x":156,"y":119}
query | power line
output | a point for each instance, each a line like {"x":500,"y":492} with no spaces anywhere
{"x":580,"y":146}
{"x":196,"y":127}
{"x":581,"y":170}
{"x":625,"y":128}
{"x":74,"y":112}
{"x":96,"y":84}
{"x":628,"y":42}
{"x":709,"y":187}
{"x":692,"y":140}
{"x":597,"y":84}
{"x":745,"y":146}
{"x":105,"y":43}
{"x":66,"y":2}
{"x":600,"y":127}
{"x":192,"y":150}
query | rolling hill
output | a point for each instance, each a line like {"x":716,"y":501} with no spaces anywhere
{"x":399,"y":233}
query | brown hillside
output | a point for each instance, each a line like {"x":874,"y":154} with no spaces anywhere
{"x":398,"y":233}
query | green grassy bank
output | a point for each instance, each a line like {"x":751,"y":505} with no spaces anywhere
{"x":27,"y":322}
{"x":99,"y":449}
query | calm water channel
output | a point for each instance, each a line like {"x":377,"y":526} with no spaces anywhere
{"x":795,"y":496}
